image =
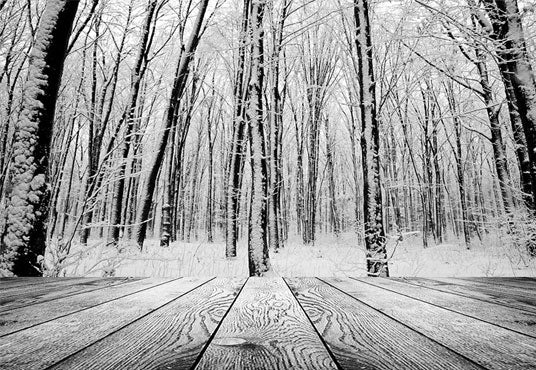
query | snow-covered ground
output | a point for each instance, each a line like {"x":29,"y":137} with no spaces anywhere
{"x":331,"y":256}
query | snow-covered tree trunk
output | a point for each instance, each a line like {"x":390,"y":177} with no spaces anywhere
{"x":179,"y":84}
{"x":460,"y":168}
{"x":128,"y":116}
{"x":514,"y":62}
{"x":238,"y":142}
{"x":370,"y":142}
{"x":330,"y":168}
{"x":276,"y":132}
{"x":24,"y":239}
{"x":527,"y":177}
{"x":259,"y":261}
{"x":499,"y":152}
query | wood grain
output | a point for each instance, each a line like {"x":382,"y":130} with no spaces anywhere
{"x":46,"y":344}
{"x":516,"y":282}
{"x":489,"y":345}
{"x":492,"y":294}
{"x":363,"y":338}
{"x":18,"y":282}
{"x":266,"y":329}
{"x":487,"y":285}
{"x":24,"y":317}
{"x":169,"y":338}
{"x":511,"y":318}
{"x":30,"y":295}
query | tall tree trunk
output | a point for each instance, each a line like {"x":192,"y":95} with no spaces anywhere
{"x":460,"y":170}
{"x":515,"y":63}
{"x":499,"y":152}
{"x":527,"y":176}
{"x":179,"y":84}
{"x":259,"y":262}
{"x":128,"y":117}
{"x":372,"y":197}
{"x":238,"y":141}
{"x":276,"y":121}
{"x":333,"y":213}
{"x":24,"y":239}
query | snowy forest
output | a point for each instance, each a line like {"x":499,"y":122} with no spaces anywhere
{"x":261,"y":137}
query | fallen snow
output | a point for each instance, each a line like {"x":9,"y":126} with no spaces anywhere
{"x":331,"y":256}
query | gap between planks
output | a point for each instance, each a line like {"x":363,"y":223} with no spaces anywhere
{"x":46,"y":344}
{"x":488,"y":345}
{"x":528,"y":318}
{"x":11,"y":320}
{"x":34,"y":295}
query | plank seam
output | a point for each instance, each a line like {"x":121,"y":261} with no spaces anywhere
{"x":213,"y":335}
{"x":59,"y":283}
{"x":444,"y":308}
{"x":407,"y":326}
{"x":32,"y":283}
{"x":498,"y":282}
{"x":331,"y":354}
{"x":64,"y":296}
{"x":466,"y":296}
{"x":130,"y":323}
{"x":87,"y":308}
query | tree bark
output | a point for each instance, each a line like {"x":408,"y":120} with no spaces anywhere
{"x":128,"y":117}
{"x":179,"y":84}
{"x":238,"y":142}
{"x":516,"y":67}
{"x":24,"y":240}
{"x":375,"y":240}
{"x":259,"y":262}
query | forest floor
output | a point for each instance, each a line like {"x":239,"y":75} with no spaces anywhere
{"x":331,"y":256}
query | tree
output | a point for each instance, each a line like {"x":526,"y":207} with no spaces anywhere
{"x":237,"y":151}
{"x":179,"y":83}
{"x":370,"y":142}
{"x":259,"y":262}
{"x":24,"y":240}
{"x":138,"y":72}
{"x":507,"y":29}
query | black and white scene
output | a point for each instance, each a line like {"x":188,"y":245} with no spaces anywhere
{"x":267,"y":184}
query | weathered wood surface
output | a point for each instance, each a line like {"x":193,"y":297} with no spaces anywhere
{"x":21,"y":318}
{"x":268,"y":323}
{"x":363,"y":338}
{"x":174,"y":335}
{"x":16,"y":282}
{"x":266,"y":329}
{"x":513,"y":319}
{"x":489,"y":345}
{"x":15,"y":298}
{"x":493,"y":293}
{"x":43,"y":345}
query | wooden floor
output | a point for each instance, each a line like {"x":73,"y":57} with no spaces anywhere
{"x":268,"y":323}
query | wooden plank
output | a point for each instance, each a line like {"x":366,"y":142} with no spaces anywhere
{"x":266,"y":329}
{"x":489,"y":294}
{"x":25,"y":317}
{"x":361,"y":337}
{"x":170,"y":338}
{"x":18,"y":287}
{"x":526,"y":294}
{"x":18,"y":282}
{"x":46,"y":344}
{"x":510,"y":318}
{"x":43,"y":293}
{"x":491,"y":346}
{"x":516,"y":282}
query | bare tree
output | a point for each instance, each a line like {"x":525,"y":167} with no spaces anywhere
{"x":181,"y":77}
{"x":370,"y":142}
{"x":259,"y":262}
{"x":24,"y":240}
